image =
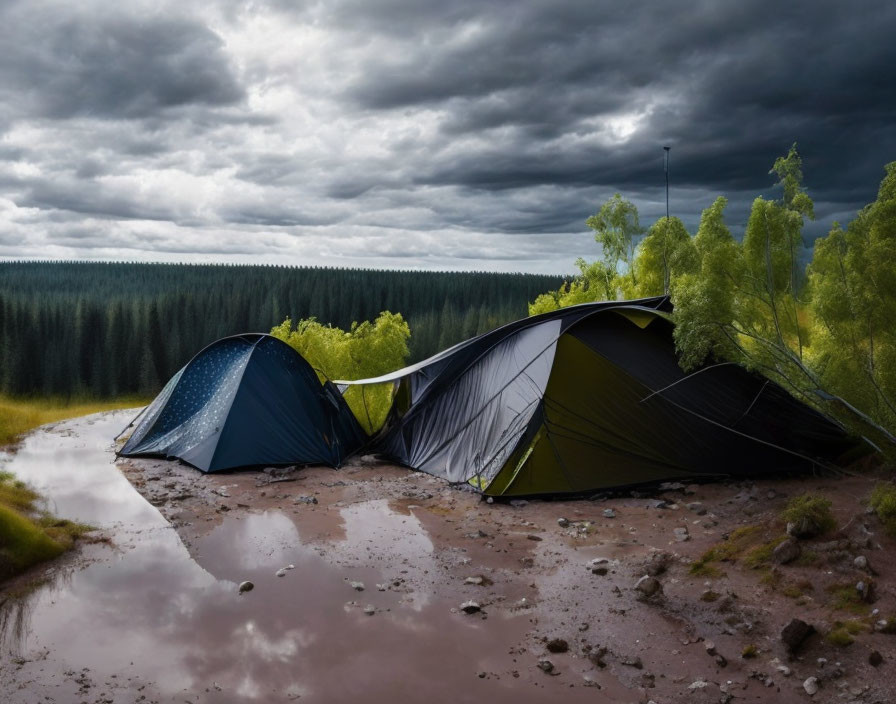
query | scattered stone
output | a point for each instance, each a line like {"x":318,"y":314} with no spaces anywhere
{"x":246,"y":587}
{"x":861,"y":562}
{"x":477,"y":580}
{"x":557,"y":645}
{"x":699,"y":684}
{"x":710,"y":647}
{"x":821,"y":662}
{"x":563,"y":522}
{"x":478,"y":534}
{"x":680,"y":534}
{"x":811,"y":686}
{"x":634,"y":662}
{"x":865,"y":590}
{"x":490,"y":500}
{"x":305,"y":500}
{"x":658,"y":563}
{"x":875,"y":658}
{"x":787,"y":552}
{"x":794,"y":633}
{"x":221,"y":491}
{"x":381,"y":587}
{"x":536,"y":538}
{"x":609,"y":513}
{"x":546,"y":666}
{"x":671,"y":486}
{"x":527,"y":561}
{"x":648,"y":586}
{"x":600,"y":570}
{"x":697,"y":508}
{"x":357,"y":586}
{"x":518,"y":503}
{"x":281,"y":572}
{"x":659,"y":504}
{"x":481,"y":674}
{"x":470,"y":607}
{"x":721,"y":660}
{"x":369,"y":610}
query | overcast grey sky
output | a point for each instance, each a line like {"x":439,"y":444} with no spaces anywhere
{"x":457,"y":134}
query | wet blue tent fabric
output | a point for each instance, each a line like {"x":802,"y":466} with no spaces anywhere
{"x":247,"y":400}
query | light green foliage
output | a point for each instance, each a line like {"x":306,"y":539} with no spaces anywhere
{"x":748,"y":304}
{"x":883,"y":501}
{"x":365,"y":350}
{"x":666,"y":252}
{"x":705,"y":299}
{"x":616,"y":228}
{"x":810,"y":514}
{"x":853,"y":282}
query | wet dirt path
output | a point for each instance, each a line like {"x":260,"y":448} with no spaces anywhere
{"x":156,"y":615}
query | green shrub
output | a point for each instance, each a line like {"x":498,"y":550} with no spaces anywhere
{"x":749,"y":651}
{"x":883,"y":501}
{"x":810,"y":515}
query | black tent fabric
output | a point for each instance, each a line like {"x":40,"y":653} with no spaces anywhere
{"x":592,"y":397}
{"x":243,"y":401}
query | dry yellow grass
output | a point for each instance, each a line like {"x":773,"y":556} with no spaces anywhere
{"x":18,"y":416}
{"x":28,"y":534}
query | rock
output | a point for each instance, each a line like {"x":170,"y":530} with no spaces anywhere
{"x":470,"y":607}
{"x":281,"y":572}
{"x":600,"y":570}
{"x":557,"y":645}
{"x":658,"y":563}
{"x":369,"y":610}
{"x":609,"y":513}
{"x":680,"y":534}
{"x":648,"y":586}
{"x":536,"y":538}
{"x":671,"y":486}
{"x":721,"y":660}
{"x":305,"y":500}
{"x":699,"y":684}
{"x":794,"y":633}
{"x":490,"y":500}
{"x":787,"y":552}
{"x":381,"y":587}
{"x":633,"y":662}
{"x":861,"y":562}
{"x":357,"y":586}
{"x":697,"y":508}
{"x":246,"y":587}
{"x":518,"y":503}
{"x":659,"y":504}
{"x":710,"y":647}
{"x":811,"y":686}
{"x":865,"y":590}
{"x":563,"y":522}
{"x":875,"y":658}
{"x":477,"y":580}
{"x":546,"y":666}
{"x":481,"y":674}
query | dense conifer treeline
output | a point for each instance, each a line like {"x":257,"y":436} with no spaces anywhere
{"x":106,"y":329}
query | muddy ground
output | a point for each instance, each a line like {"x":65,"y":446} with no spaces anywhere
{"x":571,"y":567}
{"x":391,"y":560}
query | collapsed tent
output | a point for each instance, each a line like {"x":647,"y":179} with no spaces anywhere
{"x":243,"y":401}
{"x":592,"y":397}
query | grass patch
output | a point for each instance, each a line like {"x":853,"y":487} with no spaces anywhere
{"x":845,"y":597}
{"x":842,"y":633}
{"x":746,"y":544}
{"x":810,"y":515}
{"x":18,"y":416}
{"x":749,"y":651}
{"x":883,"y":501}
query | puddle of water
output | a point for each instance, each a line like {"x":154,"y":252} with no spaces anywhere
{"x":146,"y":611}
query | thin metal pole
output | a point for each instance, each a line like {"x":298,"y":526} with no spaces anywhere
{"x":666,"y":169}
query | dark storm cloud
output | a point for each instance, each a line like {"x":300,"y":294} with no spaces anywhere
{"x":436,"y":134}
{"x":65,"y":61}
{"x":729,"y":86}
